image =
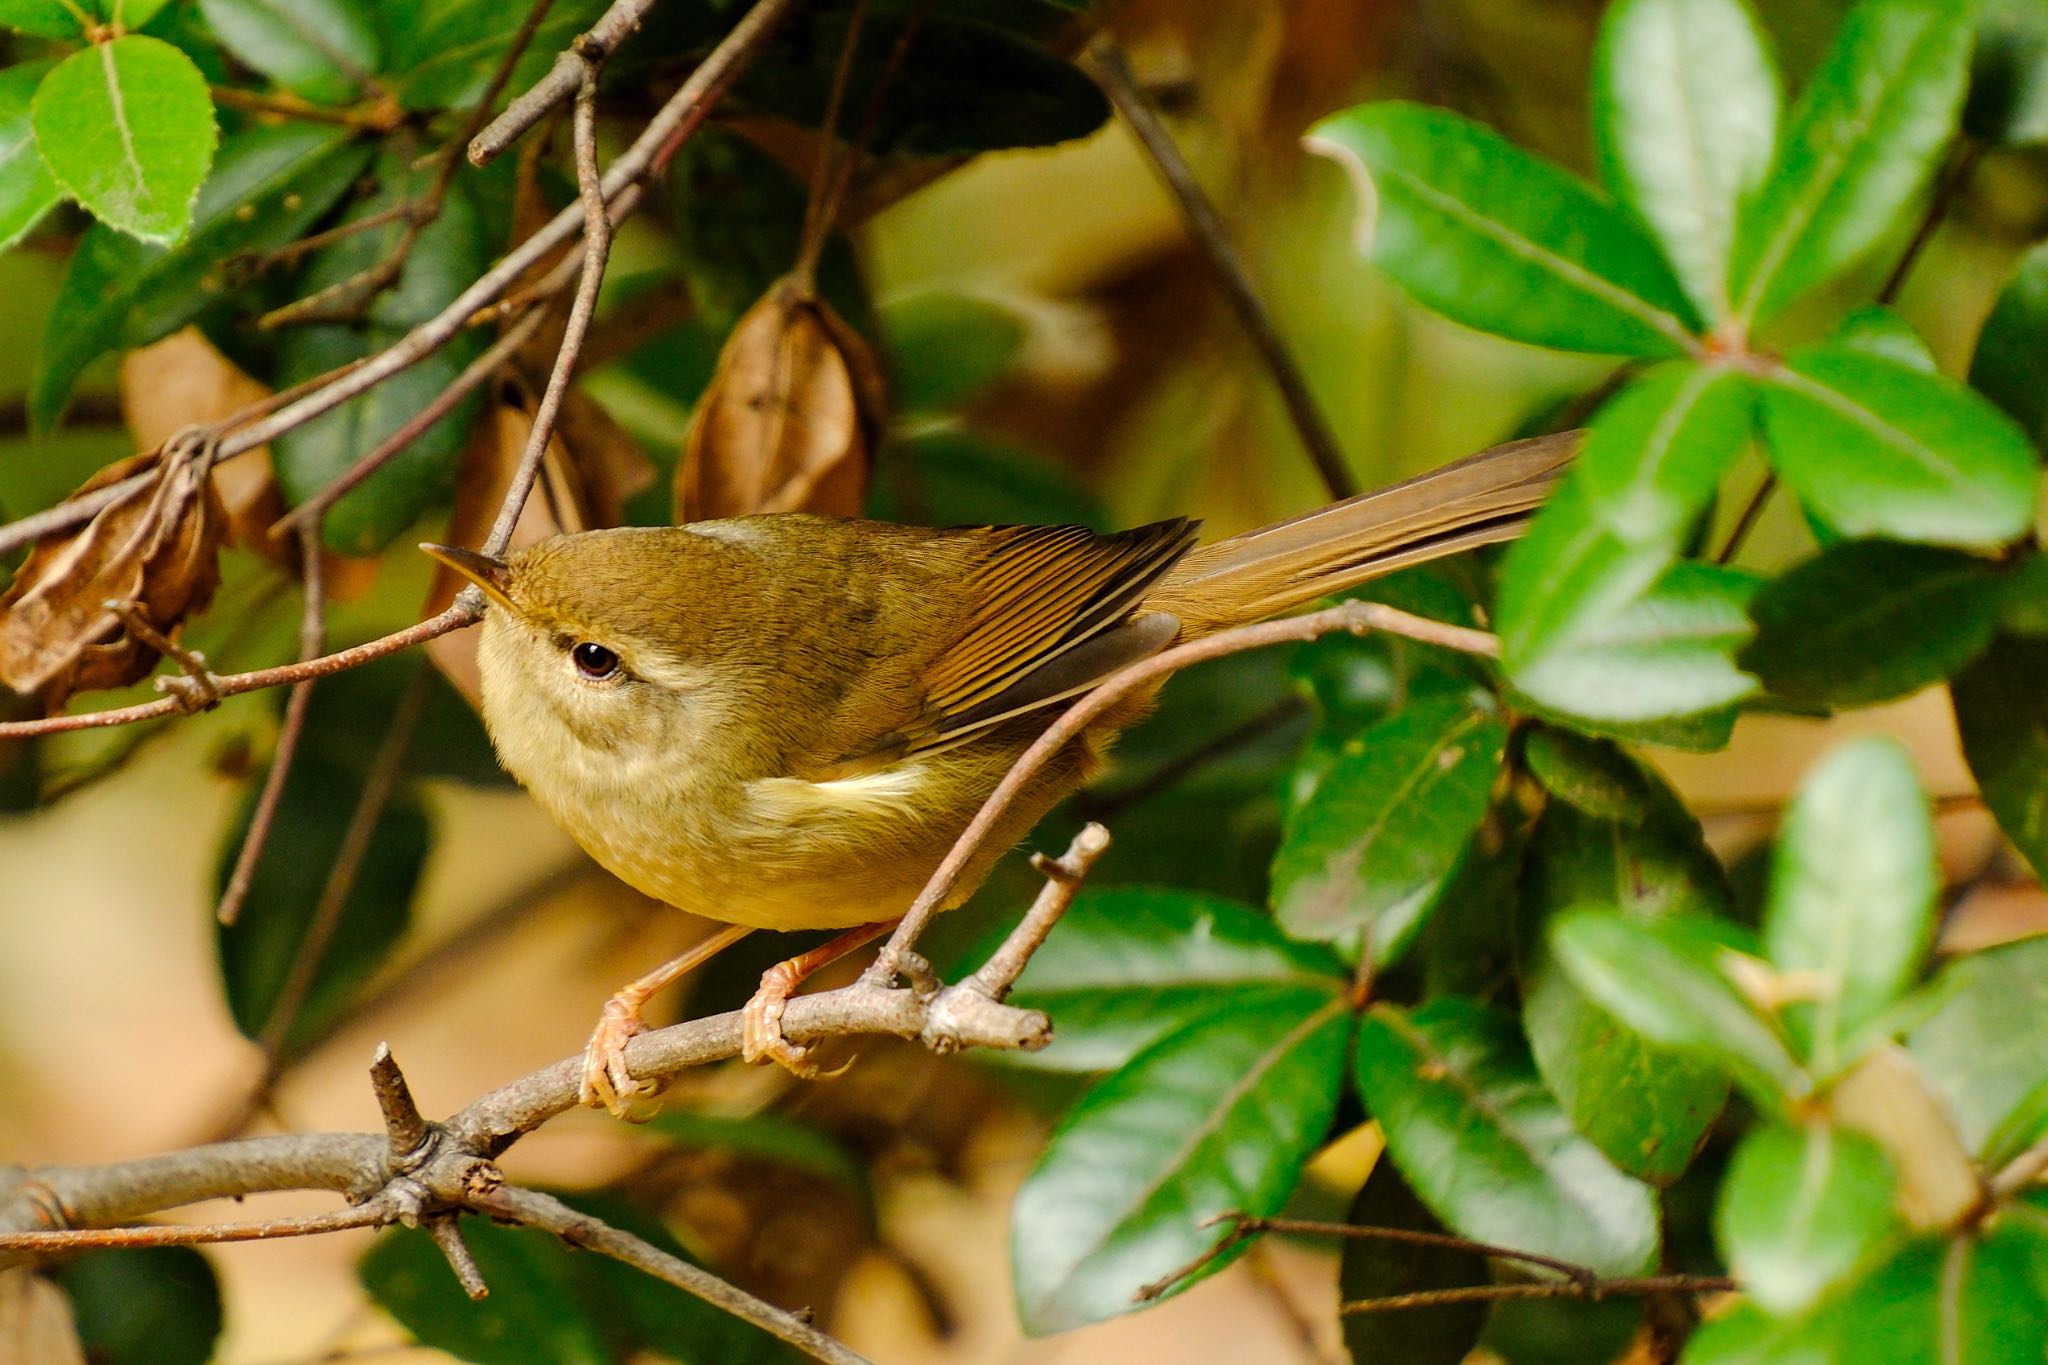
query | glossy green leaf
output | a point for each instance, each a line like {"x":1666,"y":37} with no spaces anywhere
{"x":1132,"y":964}
{"x":1664,"y":980}
{"x":315,"y":48}
{"x":1219,"y":1116}
{"x":2001,"y":705}
{"x":970,"y":86}
{"x":1485,"y":1146}
{"x":552,"y":1305}
{"x":1861,"y":143}
{"x":1376,"y":1269}
{"x":1966,"y":1301}
{"x":1801,"y":1210}
{"x":1362,"y":858}
{"x":1702,"y":732}
{"x":44,"y":18}
{"x":1670,"y":653}
{"x":447,"y":257}
{"x":2010,"y":350}
{"x":2008,"y":99}
{"x":1650,"y":464}
{"x":268,"y":185}
{"x":1880,"y":331}
{"x":1852,"y":895}
{"x":442,"y":53}
{"x":1983,"y":1048}
{"x":258,"y":951}
{"x":947,"y":348}
{"x":126,"y":127}
{"x":1639,"y":849}
{"x":144,"y":1305}
{"x":1500,"y":240}
{"x":26,"y":190}
{"x":1865,"y":621}
{"x":1686,"y":101}
{"x":1875,"y":448}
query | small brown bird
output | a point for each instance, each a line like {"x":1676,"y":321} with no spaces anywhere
{"x":784,"y":721}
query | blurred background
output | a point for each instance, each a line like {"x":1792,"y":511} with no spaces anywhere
{"x":1057,"y":350}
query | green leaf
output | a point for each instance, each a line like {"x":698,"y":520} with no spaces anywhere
{"x":1219,"y":1116}
{"x":442,"y":53}
{"x":126,"y":127}
{"x":1644,"y":1106}
{"x":968,"y":86}
{"x":1686,"y":102}
{"x":1875,"y":448}
{"x":307,"y":46}
{"x":958,"y":478}
{"x":1865,"y":621}
{"x":551,"y":1305}
{"x":267,"y":187}
{"x":2007,"y":365}
{"x":2008,"y":99}
{"x":1860,"y":145}
{"x":1375,"y":1269}
{"x":2026,"y":597}
{"x":1852,"y":895}
{"x":144,"y":1305}
{"x":1500,"y":240}
{"x":1663,"y":979}
{"x":1484,"y":1145}
{"x":1650,"y":464}
{"x":257,"y":951}
{"x":1362,"y":859}
{"x":26,"y":190}
{"x":1966,"y":1301}
{"x":1670,"y":653}
{"x":2001,"y":706}
{"x":1801,"y":1210}
{"x":44,"y":18}
{"x":1880,"y":331}
{"x":771,"y":1138}
{"x":947,"y":348}
{"x":1132,"y":964}
{"x":445,"y":259}
{"x":1982,"y":1047}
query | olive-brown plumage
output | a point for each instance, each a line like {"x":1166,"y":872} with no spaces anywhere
{"x":784,"y":721}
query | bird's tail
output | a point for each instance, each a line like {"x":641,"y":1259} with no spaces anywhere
{"x":1484,"y":498}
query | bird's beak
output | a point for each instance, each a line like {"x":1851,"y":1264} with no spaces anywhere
{"x":491,"y":575}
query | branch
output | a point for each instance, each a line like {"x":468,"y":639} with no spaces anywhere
{"x":1105,"y":62}
{"x":1623,"y":1287}
{"x":564,"y":78}
{"x":1357,"y":618}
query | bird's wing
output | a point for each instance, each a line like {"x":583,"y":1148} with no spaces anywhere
{"x":1051,"y":616}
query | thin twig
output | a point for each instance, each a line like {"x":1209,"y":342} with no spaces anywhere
{"x":1632,"y":1287}
{"x":312,"y":642}
{"x":1063,"y":877}
{"x":1355,"y":617}
{"x":820,"y":209}
{"x":1170,"y":772}
{"x":1961,"y":166}
{"x":403,"y":1123}
{"x":447,"y":1235}
{"x":563,"y":80}
{"x":533,"y":1209}
{"x":1105,"y":62}
{"x":1752,"y":512}
{"x":195,"y":1234}
{"x":378,"y":785}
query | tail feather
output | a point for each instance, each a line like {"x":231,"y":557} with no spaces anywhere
{"x":1479,"y":500}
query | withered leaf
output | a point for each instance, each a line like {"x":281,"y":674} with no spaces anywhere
{"x":156,"y":546}
{"x":183,"y":381}
{"x":790,"y":419}
{"x":35,"y":1321}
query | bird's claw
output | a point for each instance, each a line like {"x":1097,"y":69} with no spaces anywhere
{"x":607,"y":1084}
{"x":761,"y":1037}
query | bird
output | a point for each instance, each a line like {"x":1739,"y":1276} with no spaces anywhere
{"x":784,"y":721}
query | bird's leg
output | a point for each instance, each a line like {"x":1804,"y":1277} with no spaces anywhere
{"x":761,"y":1034}
{"x":607,"y":1084}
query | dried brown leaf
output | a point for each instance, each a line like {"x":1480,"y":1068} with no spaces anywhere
{"x":156,"y":546}
{"x":790,"y":419}
{"x":182,"y":381}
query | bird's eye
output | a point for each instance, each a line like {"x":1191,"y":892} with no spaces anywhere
{"x":594,"y":661}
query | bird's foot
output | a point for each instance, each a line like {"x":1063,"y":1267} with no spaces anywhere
{"x":607,"y":1084}
{"x":761,"y":1038}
